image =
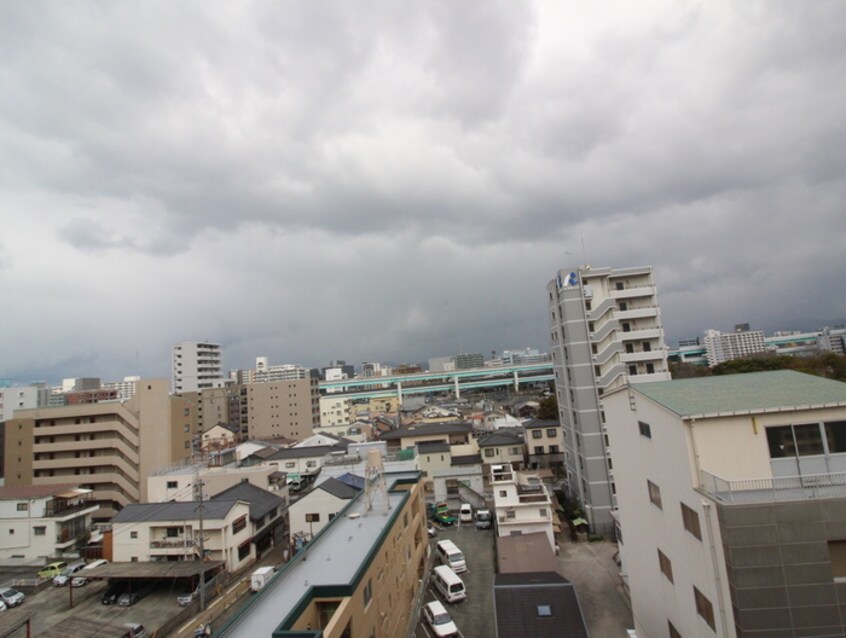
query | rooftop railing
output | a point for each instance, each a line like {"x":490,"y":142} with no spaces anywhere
{"x":775,"y":488}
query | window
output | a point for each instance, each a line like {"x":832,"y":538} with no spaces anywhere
{"x":536,"y":434}
{"x":173,"y":532}
{"x":290,"y":464}
{"x":654,"y":494}
{"x":538,"y":449}
{"x":133,"y":534}
{"x":630,"y":348}
{"x":551,"y":433}
{"x":405,"y":520}
{"x":311,"y":463}
{"x":627,"y":327}
{"x":704,"y":608}
{"x":515,"y":450}
{"x":23,"y":507}
{"x":39,"y":530}
{"x":244,"y":551}
{"x":665,"y":565}
{"x":835,"y":434}
{"x":837,"y":553}
{"x":542,"y":512}
{"x":674,"y":633}
{"x":650,"y":368}
{"x":172,"y":485}
{"x":368,"y":592}
{"x":239,"y":524}
{"x":187,"y":444}
{"x":633,"y":370}
{"x":186,"y":428}
{"x":510,"y":514}
{"x":313,"y":517}
{"x":691,"y":521}
{"x":489,"y":452}
{"x":647,"y":347}
{"x":503,"y":493}
{"x":645,"y":430}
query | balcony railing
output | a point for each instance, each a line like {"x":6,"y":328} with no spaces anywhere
{"x":774,"y":489}
{"x":172,"y":543}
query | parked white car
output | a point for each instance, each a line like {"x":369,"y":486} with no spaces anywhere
{"x":11,"y":597}
{"x":438,"y":618}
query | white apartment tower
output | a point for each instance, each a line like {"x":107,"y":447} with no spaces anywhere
{"x":197,"y":366}
{"x":605,"y":330}
{"x":721,"y":347}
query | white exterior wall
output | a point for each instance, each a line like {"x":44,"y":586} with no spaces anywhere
{"x":220,"y":542}
{"x":21,"y":398}
{"x":503,"y":454}
{"x":666,"y":460}
{"x":317,"y":501}
{"x":21,"y":534}
{"x":160,"y":488}
{"x":531,"y":512}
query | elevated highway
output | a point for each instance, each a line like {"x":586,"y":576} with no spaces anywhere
{"x":434,"y":382}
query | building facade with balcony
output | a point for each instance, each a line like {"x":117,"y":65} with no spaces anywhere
{"x":108,"y":447}
{"x":605,"y":329}
{"x":147,"y":532}
{"x":545,"y":445}
{"x":43,"y":521}
{"x":732,"y":504}
{"x":196,"y":366}
{"x":522,"y":504}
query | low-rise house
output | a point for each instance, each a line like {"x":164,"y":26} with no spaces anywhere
{"x":268,"y":515}
{"x":221,"y":436}
{"x":502,"y":447}
{"x":456,"y":434}
{"x":313,"y":511}
{"x":545,"y":445}
{"x":146,"y":532}
{"x":298,"y":462}
{"x":42,"y":521}
{"x":540,"y":604}
{"x":522,"y":504}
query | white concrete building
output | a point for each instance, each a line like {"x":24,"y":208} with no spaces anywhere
{"x":177,"y":483}
{"x":22,"y":398}
{"x":196,"y":366}
{"x":721,"y":346}
{"x":42,"y":521}
{"x":522,"y":504}
{"x":732,"y":504}
{"x":125,"y":389}
{"x":605,"y":328}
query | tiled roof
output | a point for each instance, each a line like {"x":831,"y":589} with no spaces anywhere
{"x":33,"y":491}
{"x":426,"y":429}
{"x":339,"y":489}
{"x":173,"y":511}
{"x":539,"y":604}
{"x":469,"y":459}
{"x":538,"y":423}
{"x":751,"y":392}
{"x":499,"y":438}
{"x":261,"y":501}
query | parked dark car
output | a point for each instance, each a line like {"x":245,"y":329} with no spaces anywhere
{"x":113,"y":592}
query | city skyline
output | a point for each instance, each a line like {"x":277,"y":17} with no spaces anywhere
{"x":311,"y":183}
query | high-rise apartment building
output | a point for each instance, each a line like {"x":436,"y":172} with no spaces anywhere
{"x":468,"y":361}
{"x":721,"y":346}
{"x":605,"y":329}
{"x":197,"y":366}
{"x":289,"y":409}
{"x":108,"y":447}
{"x":732,"y":504}
{"x":266,"y":373}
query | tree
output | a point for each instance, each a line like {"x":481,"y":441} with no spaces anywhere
{"x":548,"y":409}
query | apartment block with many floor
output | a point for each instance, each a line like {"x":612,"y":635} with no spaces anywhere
{"x":108,"y":447}
{"x":605,"y":329}
{"x":732,"y":504}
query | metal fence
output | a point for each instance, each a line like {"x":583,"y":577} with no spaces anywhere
{"x":775,"y":488}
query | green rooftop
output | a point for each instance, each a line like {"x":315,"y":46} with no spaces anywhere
{"x":751,"y":392}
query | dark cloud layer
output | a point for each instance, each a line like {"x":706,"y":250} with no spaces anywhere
{"x":314,"y":180}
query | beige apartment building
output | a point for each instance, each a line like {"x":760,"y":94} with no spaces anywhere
{"x":359,"y":577}
{"x":108,"y":447}
{"x":289,"y":409}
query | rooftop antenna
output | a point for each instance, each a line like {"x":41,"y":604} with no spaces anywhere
{"x":375,"y":487}
{"x":584,"y":254}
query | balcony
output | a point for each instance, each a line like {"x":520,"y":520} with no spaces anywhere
{"x":640,"y":335}
{"x":649,"y":355}
{"x":637,"y":313}
{"x":633,"y":292}
{"x":774,"y":489}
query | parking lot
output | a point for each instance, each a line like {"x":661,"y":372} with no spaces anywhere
{"x":474,"y":616}
{"x":51,"y":605}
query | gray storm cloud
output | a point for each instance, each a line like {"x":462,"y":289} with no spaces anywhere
{"x":312,"y":181}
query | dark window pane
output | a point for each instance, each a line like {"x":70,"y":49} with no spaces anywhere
{"x":780,"y":440}
{"x":835,"y":433}
{"x":808,"y":439}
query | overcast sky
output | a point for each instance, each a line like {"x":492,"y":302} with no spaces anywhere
{"x":399,"y":180}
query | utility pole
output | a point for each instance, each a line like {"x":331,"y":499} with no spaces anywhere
{"x":198,"y":485}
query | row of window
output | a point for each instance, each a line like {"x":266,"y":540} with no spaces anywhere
{"x":807,"y":439}
{"x":703,"y":606}
{"x":690,"y":519}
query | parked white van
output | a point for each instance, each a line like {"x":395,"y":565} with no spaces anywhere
{"x":449,"y":584}
{"x":465,"y":513}
{"x":450,"y":555}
